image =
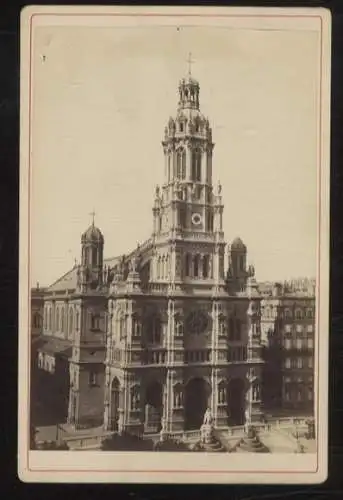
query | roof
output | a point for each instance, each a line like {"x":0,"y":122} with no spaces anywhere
{"x":238,"y":243}
{"x":93,"y":233}
{"x":69,"y":280}
{"x":53,"y":345}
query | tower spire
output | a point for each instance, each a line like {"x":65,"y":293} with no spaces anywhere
{"x":190,"y":61}
{"x":92,"y":214}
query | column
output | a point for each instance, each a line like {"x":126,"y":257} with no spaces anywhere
{"x":107,"y":399}
{"x":214,"y":395}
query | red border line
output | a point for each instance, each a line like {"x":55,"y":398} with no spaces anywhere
{"x":174,"y":471}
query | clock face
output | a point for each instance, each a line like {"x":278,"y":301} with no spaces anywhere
{"x":197,"y":322}
{"x":196,"y":219}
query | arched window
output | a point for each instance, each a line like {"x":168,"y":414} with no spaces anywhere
{"x":36,"y":320}
{"x":188,"y":265}
{"x":62,"y":319}
{"x":298,"y":314}
{"x":122,"y":326}
{"x":205,"y":266}
{"x":49,"y":319}
{"x":210,"y":221}
{"x":169,"y":163}
{"x":71,"y":322}
{"x":94,"y":256}
{"x":159,"y":268}
{"x":309,"y":313}
{"x":57,"y":319}
{"x":182,"y":218}
{"x":196,"y":165}
{"x":196,"y":266}
{"x":152,"y":329}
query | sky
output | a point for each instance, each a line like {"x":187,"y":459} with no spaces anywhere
{"x":100,"y":101}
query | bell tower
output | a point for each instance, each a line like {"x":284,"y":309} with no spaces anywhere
{"x":187,"y":210}
{"x":90,"y":272}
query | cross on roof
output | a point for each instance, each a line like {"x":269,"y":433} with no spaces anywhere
{"x":93,"y":216}
{"x":190,"y":61}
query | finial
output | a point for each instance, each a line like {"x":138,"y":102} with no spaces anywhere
{"x":92,"y":214}
{"x":190,"y":61}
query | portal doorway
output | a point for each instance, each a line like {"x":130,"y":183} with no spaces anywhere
{"x":153,"y":407}
{"x":197,"y":394}
{"x":236,"y":402}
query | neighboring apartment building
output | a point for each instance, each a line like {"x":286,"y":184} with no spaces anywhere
{"x":288,"y":336}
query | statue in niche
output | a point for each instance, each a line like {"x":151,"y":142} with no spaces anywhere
{"x":251,"y":271}
{"x":208,"y":419}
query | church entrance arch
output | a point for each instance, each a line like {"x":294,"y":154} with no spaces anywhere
{"x":153,"y":407}
{"x":115,"y":394}
{"x":197,"y":394}
{"x":236,"y":401}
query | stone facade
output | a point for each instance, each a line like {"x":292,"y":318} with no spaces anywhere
{"x":155,"y":337}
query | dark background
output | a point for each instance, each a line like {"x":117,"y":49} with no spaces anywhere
{"x":9,"y":213}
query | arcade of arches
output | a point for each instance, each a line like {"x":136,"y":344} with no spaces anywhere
{"x":190,"y":401}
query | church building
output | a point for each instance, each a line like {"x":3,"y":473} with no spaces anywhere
{"x":155,"y":337}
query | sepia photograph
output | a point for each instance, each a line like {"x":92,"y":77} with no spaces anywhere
{"x":174,"y":244}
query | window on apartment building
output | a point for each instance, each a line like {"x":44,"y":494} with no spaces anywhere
{"x":288,"y":313}
{"x":299,"y":329}
{"x":288,"y":329}
{"x":310,"y":362}
{"x":288,"y":343}
{"x":299,"y":343}
{"x":309,"y":313}
{"x":310,"y":343}
{"x":309,"y":329}
{"x":298,"y":314}
{"x":287,"y":362}
{"x":299,"y":362}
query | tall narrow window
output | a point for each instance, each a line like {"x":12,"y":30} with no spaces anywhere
{"x":196,"y":266}
{"x":62,"y":319}
{"x":188,"y":265}
{"x":182,"y":218}
{"x":94,"y":257}
{"x":196,"y":165}
{"x":205,"y":266}
{"x":183,"y":164}
{"x":169,"y":167}
{"x":57,"y":319}
{"x":210,"y":221}
{"x":71,"y":321}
